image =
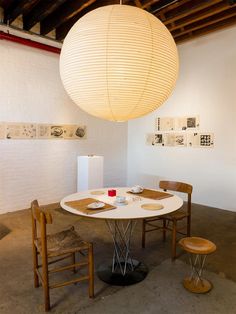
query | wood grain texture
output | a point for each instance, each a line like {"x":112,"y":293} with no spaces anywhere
{"x":82,"y":206}
{"x":62,"y":244}
{"x":61,"y":15}
{"x":152,"y":194}
{"x":169,"y":222}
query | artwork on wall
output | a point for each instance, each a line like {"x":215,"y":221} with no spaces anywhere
{"x":20,"y":130}
{"x":165,"y":124}
{"x":177,"y":123}
{"x":41,"y":131}
{"x":180,"y":139}
{"x":201,"y":139}
{"x":2,"y":130}
{"x":166,"y":134}
{"x":166,"y":139}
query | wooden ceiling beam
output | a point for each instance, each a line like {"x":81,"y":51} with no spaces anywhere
{"x":40,"y":12}
{"x":231,"y":14}
{"x":64,"y":28}
{"x":205,"y":31}
{"x":172,"y":6}
{"x":200,"y":16}
{"x":138,"y":3}
{"x":149,"y":3}
{"x":5,"y":4}
{"x":193,"y":9}
{"x":22,"y":7}
{"x":66,"y":13}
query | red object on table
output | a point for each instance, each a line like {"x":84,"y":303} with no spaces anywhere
{"x":111,"y":192}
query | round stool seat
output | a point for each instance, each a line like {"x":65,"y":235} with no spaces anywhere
{"x":197,"y":245}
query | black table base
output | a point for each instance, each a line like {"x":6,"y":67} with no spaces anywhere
{"x":116,"y":278}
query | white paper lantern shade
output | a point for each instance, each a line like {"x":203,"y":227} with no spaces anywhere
{"x":119,"y":62}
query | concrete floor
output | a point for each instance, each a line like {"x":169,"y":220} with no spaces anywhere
{"x":160,"y":292}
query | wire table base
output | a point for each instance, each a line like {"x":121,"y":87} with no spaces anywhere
{"x":123,"y":269}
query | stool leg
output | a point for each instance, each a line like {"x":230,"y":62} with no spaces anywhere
{"x":195,"y":283}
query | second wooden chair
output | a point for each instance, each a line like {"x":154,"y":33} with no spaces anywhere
{"x":54,"y":248}
{"x":169,"y":222}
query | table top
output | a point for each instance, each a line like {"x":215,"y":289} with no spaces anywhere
{"x":132,"y":210}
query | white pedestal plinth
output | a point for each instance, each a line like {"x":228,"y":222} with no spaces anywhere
{"x":89,"y":172}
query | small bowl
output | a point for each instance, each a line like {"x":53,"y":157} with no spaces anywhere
{"x":120,"y":199}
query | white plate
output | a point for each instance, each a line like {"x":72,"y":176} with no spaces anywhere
{"x":96,"y":205}
{"x":120,"y":203}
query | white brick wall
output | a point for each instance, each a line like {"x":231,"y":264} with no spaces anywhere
{"x":207,"y":87}
{"x":31,"y":91}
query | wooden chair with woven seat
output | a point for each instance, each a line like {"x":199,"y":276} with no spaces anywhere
{"x":54,"y":248}
{"x":169,"y":222}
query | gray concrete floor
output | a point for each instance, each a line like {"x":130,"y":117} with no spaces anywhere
{"x":160,"y":292}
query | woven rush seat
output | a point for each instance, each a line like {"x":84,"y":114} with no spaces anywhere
{"x":63,"y":242}
{"x":178,"y":214}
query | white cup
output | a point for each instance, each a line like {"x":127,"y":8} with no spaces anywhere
{"x":120,"y":199}
{"x":137,"y":189}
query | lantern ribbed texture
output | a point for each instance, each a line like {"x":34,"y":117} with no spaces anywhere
{"x":118,"y":62}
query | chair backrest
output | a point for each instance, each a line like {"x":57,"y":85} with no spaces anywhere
{"x":41,"y":219}
{"x":178,"y":187}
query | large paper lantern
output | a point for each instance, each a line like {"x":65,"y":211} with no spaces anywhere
{"x":119,"y":62}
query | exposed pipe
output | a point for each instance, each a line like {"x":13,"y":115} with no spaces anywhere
{"x":28,"y":42}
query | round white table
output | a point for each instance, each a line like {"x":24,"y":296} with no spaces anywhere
{"x":123,"y":270}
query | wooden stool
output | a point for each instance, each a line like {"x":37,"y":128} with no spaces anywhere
{"x":198,"y":248}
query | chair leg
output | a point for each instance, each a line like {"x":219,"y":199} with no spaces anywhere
{"x":173,"y":255}
{"x":189,"y":226}
{"x":45,"y":282}
{"x":36,"y":266}
{"x":91,"y":271}
{"x":164,"y":230}
{"x":143,"y":233}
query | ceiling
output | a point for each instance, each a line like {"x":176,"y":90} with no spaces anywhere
{"x":185,"y":19}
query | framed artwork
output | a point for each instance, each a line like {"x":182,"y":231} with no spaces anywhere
{"x":62,"y":131}
{"x":150,"y":139}
{"x":20,"y":130}
{"x":165,"y":124}
{"x":187,"y":123}
{"x":203,"y":139}
{"x":200,"y":139}
{"x":2,"y":130}
{"x":177,"y":123}
{"x":12,"y":130}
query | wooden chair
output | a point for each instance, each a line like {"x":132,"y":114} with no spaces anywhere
{"x":169,"y":222}
{"x":54,"y":248}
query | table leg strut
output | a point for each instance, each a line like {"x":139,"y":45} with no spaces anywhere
{"x":195,"y":282}
{"x":124,"y":270}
